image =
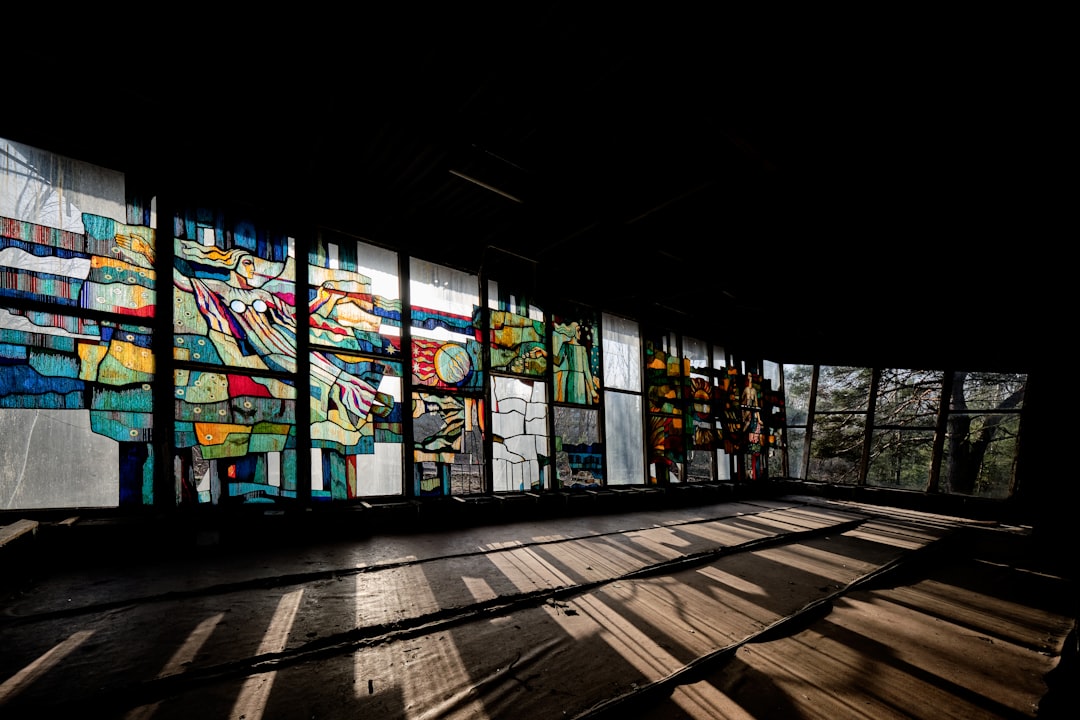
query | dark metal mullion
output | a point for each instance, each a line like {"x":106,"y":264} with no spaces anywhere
{"x":302,"y":246}
{"x":165,"y":366}
{"x":408,"y":464}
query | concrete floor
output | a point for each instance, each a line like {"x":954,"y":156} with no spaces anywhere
{"x":789,"y":607}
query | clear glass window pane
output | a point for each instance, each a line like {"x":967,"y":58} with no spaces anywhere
{"x":624,"y":439}
{"x":836,"y":450}
{"x":796,"y":447}
{"x":909,"y":398}
{"x":980,"y":454}
{"x":988,"y":391}
{"x":622,"y":353}
{"x":797,"y":393}
{"x":900,"y":459}
{"x":843,"y":389}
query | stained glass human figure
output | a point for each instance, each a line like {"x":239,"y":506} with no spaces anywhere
{"x":574,"y":379}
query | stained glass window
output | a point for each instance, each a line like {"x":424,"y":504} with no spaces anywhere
{"x":235,"y":437}
{"x":517,"y":333}
{"x":575,"y":352}
{"x":357,"y":388}
{"x":665,"y":383}
{"x":701,"y":430}
{"x":520,"y":456}
{"x":234,"y":344}
{"x":234,"y":294}
{"x":76,"y":363}
{"x":447,"y":377}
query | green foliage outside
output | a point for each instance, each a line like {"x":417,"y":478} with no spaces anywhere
{"x":981,"y":427}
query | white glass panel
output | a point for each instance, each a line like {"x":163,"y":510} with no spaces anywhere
{"x":53,"y":459}
{"x":519,"y":426}
{"x":623,"y":439}
{"x":48,"y":189}
{"x":622,"y":353}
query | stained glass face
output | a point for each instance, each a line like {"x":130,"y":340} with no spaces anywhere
{"x":575,"y":353}
{"x":234,"y":294}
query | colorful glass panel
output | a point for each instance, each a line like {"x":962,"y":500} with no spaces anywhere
{"x":235,"y":437}
{"x":354,"y":297}
{"x":234,"y":294}
{"x":356,"y":433}
{"x":446,"y":349}
{"x":78,"y":392}
{"x":448,"y":437}
{"x":575,"y":353}
{"x":107,"y":268}
{"x":579,"y":454}
{"x":357,"y":448}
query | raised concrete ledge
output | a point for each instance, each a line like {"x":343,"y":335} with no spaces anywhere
{"x":20,"y":528}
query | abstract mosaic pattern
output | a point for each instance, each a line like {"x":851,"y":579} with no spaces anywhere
{"x":81,"y":393}
{"x":447,"y":375}
{"x":234,"y":308}
{"x":77,"y":370}
{"x":448,"y":437}
{"x":107,"y":268}
{"x":356,"y":430}
{"x":356,"y":399}
{"x":235,"y":437}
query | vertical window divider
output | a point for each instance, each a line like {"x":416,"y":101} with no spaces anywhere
{"x":549,"y":378}
{"x":165,"y":495}
{"x":485,"y":363}
{"x":407,"y":438}
{"x":303,"y":243}
{"x":811,"y":412}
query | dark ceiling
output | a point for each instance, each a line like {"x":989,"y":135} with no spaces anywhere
{"x":858,"y":191}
